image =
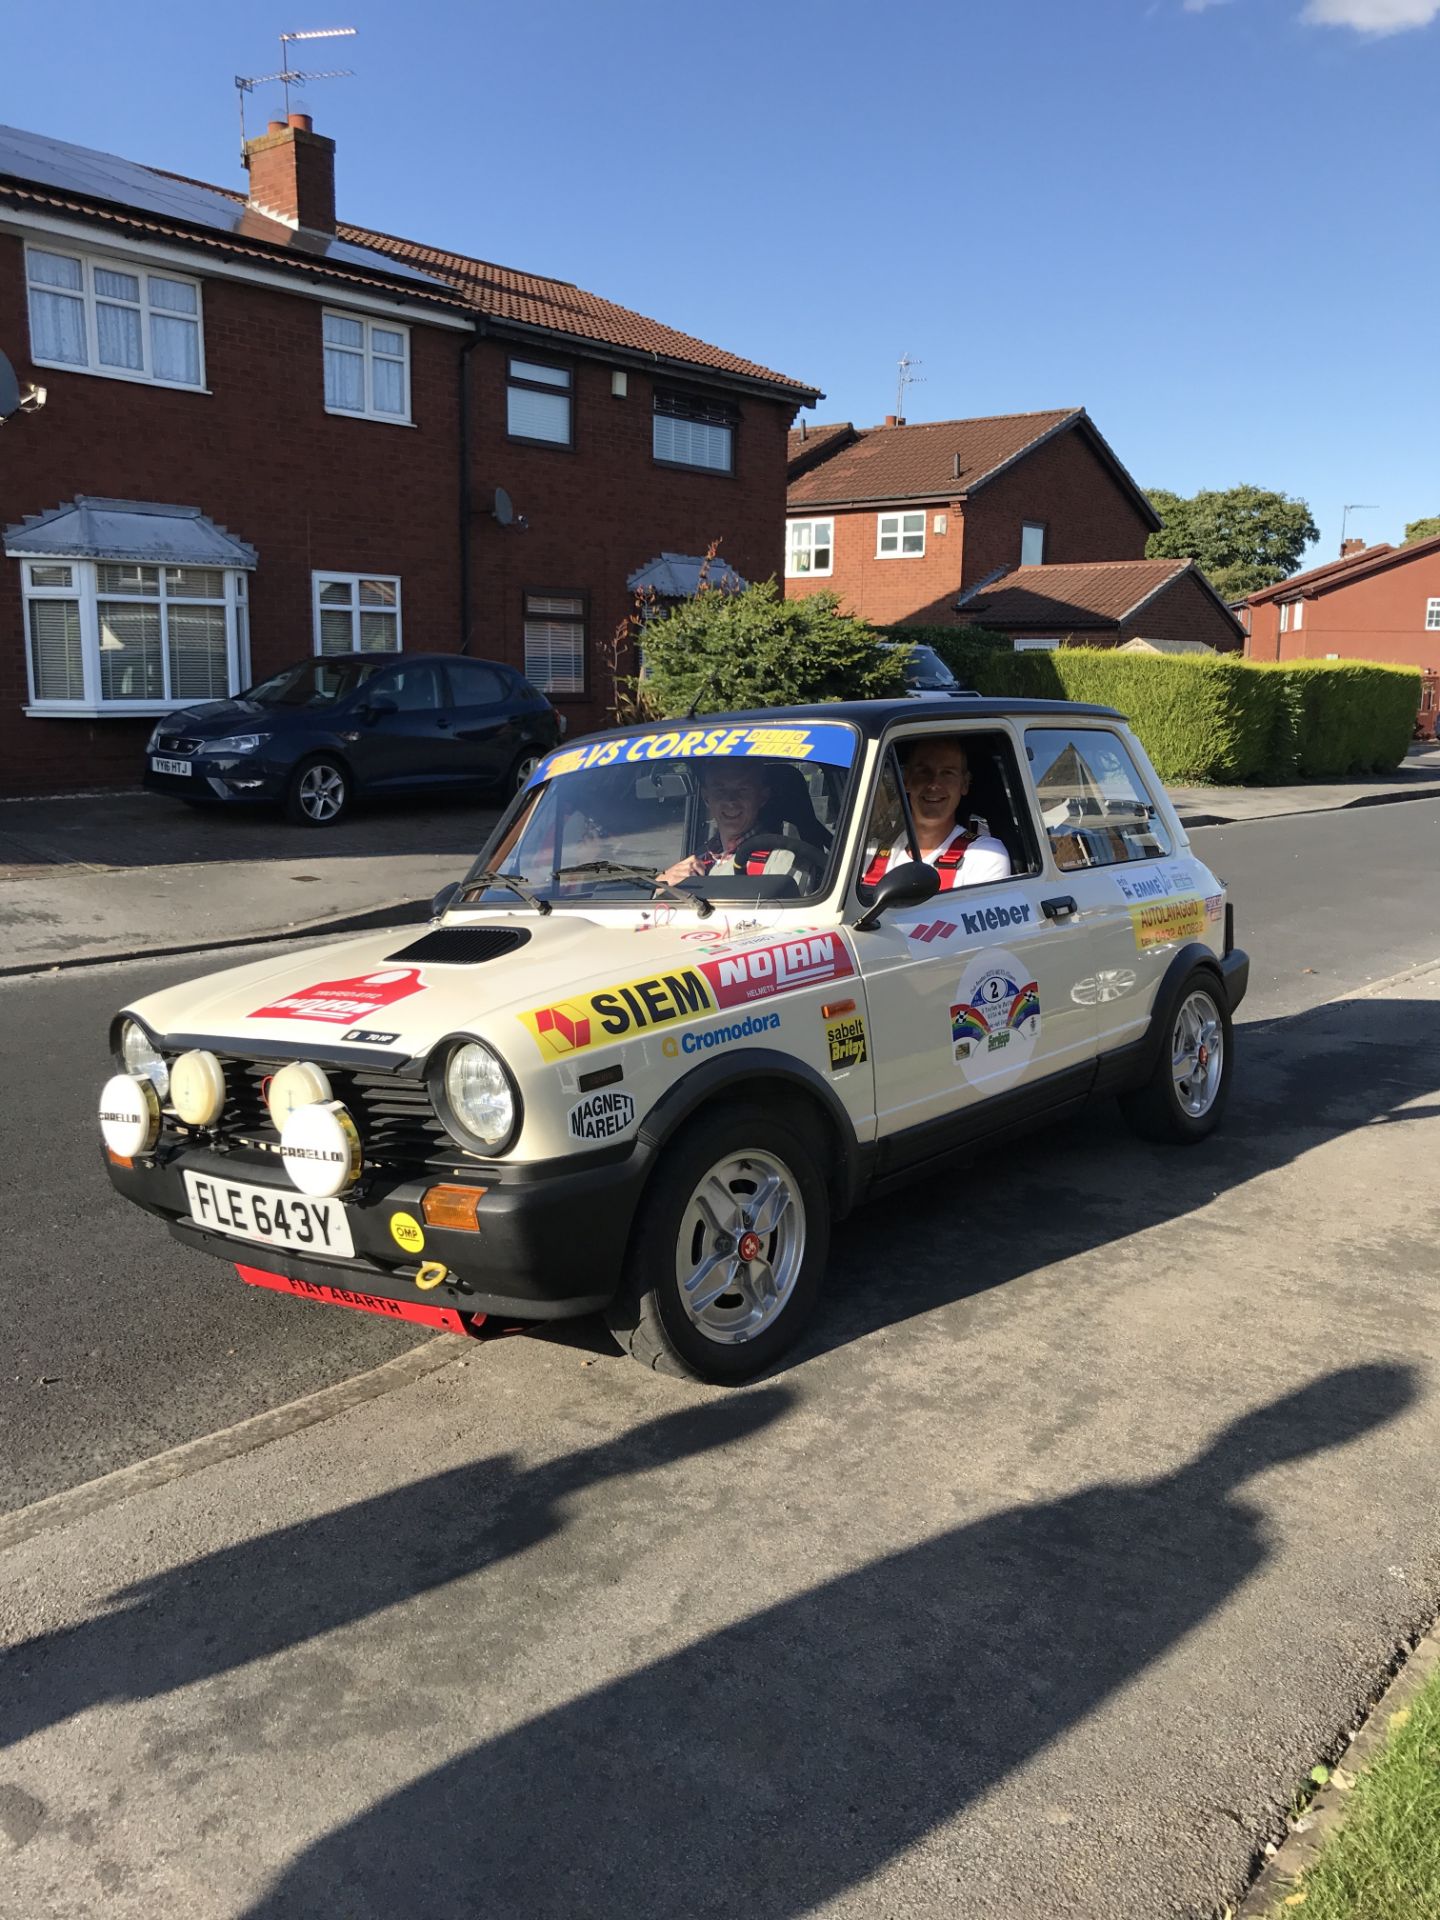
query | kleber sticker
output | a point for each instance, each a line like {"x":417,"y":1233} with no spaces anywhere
{"x":609,"y":1014}
{"x":1165,"y":921}
{"x":828,"y":742}
{"x":959,"y":926}
{"x":995,"y":1020}
{"x":601,"y":1116}
{"x":845,"y":1041}
{"x":343,"y":1002}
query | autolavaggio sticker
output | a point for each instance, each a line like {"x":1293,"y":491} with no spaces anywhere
{"x":995,"y":1019}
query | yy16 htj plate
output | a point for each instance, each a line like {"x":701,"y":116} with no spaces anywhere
{"x":159,"y":764}
{"x":266,"y":1214}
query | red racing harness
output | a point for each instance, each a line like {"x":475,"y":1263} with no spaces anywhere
{"x":946,"y":863}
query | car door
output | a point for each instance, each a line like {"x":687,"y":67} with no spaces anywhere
{"x":1113,"y":852}
{"x":488,"y":730}
{"x":971,"y":994}
{"x":410,"y":744}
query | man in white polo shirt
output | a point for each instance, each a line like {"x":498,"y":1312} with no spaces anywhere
{"x":936,"y":773}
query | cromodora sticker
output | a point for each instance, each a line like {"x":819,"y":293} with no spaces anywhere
{"x":995,"y":1020}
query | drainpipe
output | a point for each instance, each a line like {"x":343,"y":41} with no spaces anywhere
{"x":465,"y":532}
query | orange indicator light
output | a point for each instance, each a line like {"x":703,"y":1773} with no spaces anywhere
{"x":453,"y":1207}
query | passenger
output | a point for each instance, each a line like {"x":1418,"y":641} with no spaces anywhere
{"x":936,"y":774}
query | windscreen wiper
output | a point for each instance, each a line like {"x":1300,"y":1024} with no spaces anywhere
{"x":617,"y":870}
{"x":516,"y":882}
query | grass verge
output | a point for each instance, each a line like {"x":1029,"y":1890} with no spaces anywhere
{"x":1383,"y":1863}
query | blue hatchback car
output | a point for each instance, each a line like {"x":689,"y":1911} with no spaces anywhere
{"x":326,"y":732}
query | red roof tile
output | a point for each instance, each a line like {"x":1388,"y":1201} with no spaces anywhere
{"x":913,"y":463}
{"x":1095,"y":593}
{"x":1339,"y":573}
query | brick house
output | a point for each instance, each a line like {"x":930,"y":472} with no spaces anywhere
{"x":901,"y":521}
{"x":269,"y":433}
{"x":1374,"y":603}
{"x":1168,"y":605}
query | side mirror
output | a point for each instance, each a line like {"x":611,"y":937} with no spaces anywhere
{"x":910,"y":884}
{"x":378,"y":705}
{"x":443,"y":899}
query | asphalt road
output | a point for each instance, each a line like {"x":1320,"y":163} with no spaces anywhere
{"x":119,"y":1344}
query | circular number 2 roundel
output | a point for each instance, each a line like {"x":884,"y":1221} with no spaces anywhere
{"x":995,"y":1019}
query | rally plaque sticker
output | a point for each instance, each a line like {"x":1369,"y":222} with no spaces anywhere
{"x":343,"y":1002}
{"x":995,"y":1020}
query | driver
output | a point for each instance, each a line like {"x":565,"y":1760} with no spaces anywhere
{"x":936,"y":774}
{"x":735,"y":796}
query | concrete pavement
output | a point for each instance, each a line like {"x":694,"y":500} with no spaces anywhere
{"x":1093,"y":1509}
{"x":114,"y":876}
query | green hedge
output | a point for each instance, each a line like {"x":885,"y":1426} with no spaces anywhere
{"x":1215,"y":719}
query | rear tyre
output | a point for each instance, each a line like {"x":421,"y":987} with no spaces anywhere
{"x":1184,"y":1097}
{"x":729,"y":1250}
{"x":319,"y":793}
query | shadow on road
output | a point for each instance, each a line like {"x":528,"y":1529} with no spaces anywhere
{"x":263,"y":1595}
{"x":770,"y":1766}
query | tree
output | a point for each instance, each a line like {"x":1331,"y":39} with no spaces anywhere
{"x":1242,"y":539}
{"x":1422,"y":529}
{"x":727,"y":649}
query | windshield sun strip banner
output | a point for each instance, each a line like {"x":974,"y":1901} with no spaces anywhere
{"x":828,"y":742}
{"x":606,"y":1015}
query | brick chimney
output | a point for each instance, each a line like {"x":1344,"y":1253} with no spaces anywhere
{"x":292,"y":174}
{"x":1347,"y":547}
{"x":894,"y":420}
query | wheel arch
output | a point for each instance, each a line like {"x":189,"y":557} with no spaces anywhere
{"x":1194,"y":957}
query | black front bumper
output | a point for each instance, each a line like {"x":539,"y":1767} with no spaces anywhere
{"x":234,"y":781}
{"x":551,"y":1242}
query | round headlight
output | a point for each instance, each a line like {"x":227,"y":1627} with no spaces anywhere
{"x":301,"y":1084}
{"x":478,"y":1093}
{"x":197,"y":1088}
{"x":139,"y":1053}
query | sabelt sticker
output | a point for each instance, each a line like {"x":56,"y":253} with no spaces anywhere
{"x":845,"y":1041}
{"x":1165,"y":921}
{"x":609,"y":1014}
{"x":343,"y":1002}
{"x":602,"y":1116}
{"x":995,"y":1020}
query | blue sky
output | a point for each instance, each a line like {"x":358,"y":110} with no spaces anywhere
{"x":1211,"y":222}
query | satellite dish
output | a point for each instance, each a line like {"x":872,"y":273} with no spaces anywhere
{"x":9,"y":389}
{"x":504,"y":507}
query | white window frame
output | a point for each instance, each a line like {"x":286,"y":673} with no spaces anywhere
{"x":355,"y":609}
{"x":84,"y":590}
{"x":900,"y":533}
{"x":1297,"y":618}
{"x":1027,"y":527}
{"x":89,"y":264}
{"x":795,"y":548}
{"x":1432,"y":615}
{"x":366,"y":354}
{"x":1284,"y":616}
{"x":543,"y":377}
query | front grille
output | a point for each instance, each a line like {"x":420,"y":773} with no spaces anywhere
{"x":173,"y":743}
{"x":398,"y":1126}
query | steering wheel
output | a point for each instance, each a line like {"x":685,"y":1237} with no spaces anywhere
{"x":811,"y":856}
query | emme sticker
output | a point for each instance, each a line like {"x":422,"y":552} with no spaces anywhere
{"x":995,"y":1020}
{"x":826,"y":741}
{"x":609,"y":1014}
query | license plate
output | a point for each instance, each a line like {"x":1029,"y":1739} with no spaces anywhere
{"x":269,"y":1215}
{"x":159,"y":764}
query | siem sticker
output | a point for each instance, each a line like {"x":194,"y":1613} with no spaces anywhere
{"x":343,"y":1002}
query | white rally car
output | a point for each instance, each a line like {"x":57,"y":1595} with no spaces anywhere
{"x":696,"y":1000}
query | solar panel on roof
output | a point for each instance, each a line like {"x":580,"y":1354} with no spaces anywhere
{"x":41,"y":161}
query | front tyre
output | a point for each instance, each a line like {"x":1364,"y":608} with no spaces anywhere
{"x":1185,"y":1095}
{"x":729,"y":1248}
{"x":319,"y":793}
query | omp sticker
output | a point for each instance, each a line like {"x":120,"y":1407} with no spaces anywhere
{"x":601,"y":1116}
{"x":343,"y":1002}
{"x":608,"y":1014}
{"x":845,"y":1040}
{"x":995,"y":1020}
{"x":406,"y":1232}
{"x":1164,"y":921}
{"x":829,"y":742}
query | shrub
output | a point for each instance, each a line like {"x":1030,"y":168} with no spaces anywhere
{"x":726,"y":650}
{"x":1349,"y":716}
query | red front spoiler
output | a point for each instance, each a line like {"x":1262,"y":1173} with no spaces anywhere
{"x":444,"y":1318}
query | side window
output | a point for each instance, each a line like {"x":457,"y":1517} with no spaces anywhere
{"x":413,"y":689}
{"x":1092,"y":800}
{"x":958,"y":799}
{"x":475,"y":685}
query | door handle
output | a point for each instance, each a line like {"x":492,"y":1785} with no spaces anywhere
{"x":1060,"y":908}
{"x":442,"y":723}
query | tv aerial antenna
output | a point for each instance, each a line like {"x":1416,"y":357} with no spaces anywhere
{"x":290,"y":77}
{"x":907,"y":379}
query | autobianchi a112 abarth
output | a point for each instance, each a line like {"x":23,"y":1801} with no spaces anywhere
{"x":711,"y":984}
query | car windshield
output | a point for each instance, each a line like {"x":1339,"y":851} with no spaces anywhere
{"x":315,"y":683}
{"x":927,"y":672}
{"x":705,"y":812}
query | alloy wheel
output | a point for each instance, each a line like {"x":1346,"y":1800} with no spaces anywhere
{"x":740,"y":1247}
{"x":1197,"y":1054}
{"x":322,"y":792}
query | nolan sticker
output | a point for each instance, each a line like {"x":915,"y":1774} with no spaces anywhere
{"x":1166,"y":921}
{"x":343,"y":1002}
{"x":610,"y":1014}
{"x":995,"y":1020}
{"x":845,"y":1040}
{"x":601,"y":1116}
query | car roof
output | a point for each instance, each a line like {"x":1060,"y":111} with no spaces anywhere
{"x":405,"y":657}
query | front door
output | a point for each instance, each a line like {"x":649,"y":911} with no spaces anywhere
{"x":487,"y":732}
{"x":412,"y":745}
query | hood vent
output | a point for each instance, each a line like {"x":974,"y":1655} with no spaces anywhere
{"x":462,"y":946}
